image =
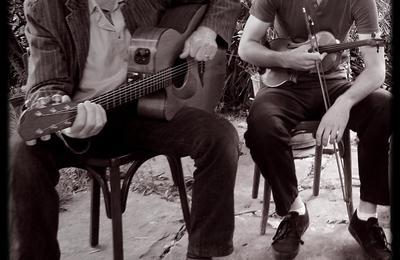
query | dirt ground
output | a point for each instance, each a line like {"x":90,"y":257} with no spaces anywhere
{"x":153,"y":222}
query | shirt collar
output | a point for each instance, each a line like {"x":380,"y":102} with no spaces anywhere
{"x":103,"y":4}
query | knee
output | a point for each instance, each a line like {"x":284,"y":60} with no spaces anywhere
{"x":220,"y":139}
{"x":380,"y":104}
{"x":18,"y":151}
{"x":27,"y":164}
{"x":225,"y":136}
{"x":265,"y":130}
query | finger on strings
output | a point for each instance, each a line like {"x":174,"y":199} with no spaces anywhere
{"x":99,"y":120}
{"x":90,"y":124}
{"x":185,"y":51}
{"x":202,"y":55}
{"x":78,"y":123}
{"x":65,"y":99}
{"x":194,"y":48}
{"x":103,"y":115}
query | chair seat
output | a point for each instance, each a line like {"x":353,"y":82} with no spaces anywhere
{"x":310,"y":127}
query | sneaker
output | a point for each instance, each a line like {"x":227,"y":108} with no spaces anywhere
{"x":370,"y":236}
{"x":287,"y":239}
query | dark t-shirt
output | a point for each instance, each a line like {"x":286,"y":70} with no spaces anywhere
{"x":334,"y":16}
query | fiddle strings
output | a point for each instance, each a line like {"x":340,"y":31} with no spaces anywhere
{"x":154,"y":79}
{"x":341,"y":46}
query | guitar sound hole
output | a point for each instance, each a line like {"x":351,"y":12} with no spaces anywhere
{"x":179,"y":73}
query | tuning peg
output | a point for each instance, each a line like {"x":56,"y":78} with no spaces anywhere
{"x":31,"y":142}
{"x":56,"y":98}
{"x":43,"y":101}
{"x":45,"y":137}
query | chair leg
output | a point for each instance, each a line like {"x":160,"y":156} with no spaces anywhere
{"x":175,"y":165}
{"x":94,"y":213}
{"x":256,"y":182}
{"x":116,"y":213}
{"x":348,"y":174}
{"x":265,"y":209}
{"x":317,"y":169}
{"x":390,"y":161}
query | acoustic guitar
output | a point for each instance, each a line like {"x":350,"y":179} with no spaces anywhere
{"x":170,"y":83}
{"x":275,"y":77}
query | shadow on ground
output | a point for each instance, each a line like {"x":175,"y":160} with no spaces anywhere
{"x":154,"y":228}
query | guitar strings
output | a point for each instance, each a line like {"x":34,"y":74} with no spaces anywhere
{"x":142,"y":84}
{"x":156,"y":78}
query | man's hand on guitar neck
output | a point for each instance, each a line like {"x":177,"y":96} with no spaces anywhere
{"x":201,"y":45}
{"x":89,"y":121}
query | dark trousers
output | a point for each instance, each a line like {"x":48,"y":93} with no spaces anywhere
{"x":211,"y":141}
{"x":276,"y":111}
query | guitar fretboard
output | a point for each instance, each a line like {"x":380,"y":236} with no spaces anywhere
{"x":132,"y":91}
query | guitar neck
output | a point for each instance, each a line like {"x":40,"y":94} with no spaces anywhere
{"x":132,"y":91}
{"x":343,"y":46}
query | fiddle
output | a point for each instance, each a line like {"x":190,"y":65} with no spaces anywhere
{"x":326,"y":41}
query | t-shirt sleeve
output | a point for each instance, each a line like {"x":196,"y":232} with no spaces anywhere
{"x":365,"y":15}
{"x":264,"y":10}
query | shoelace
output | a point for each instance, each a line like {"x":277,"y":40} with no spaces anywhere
{"x":378,"y":237}
{"x":287,"y":225}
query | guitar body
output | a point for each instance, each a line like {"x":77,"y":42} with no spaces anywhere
{"x":154,"y":49}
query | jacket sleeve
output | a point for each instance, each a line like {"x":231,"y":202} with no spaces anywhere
{"x":221,"y":17}
{"x":47,"y":67}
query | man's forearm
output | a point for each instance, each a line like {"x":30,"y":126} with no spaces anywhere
{"x":368,"y":81}
{"x":254,"y":53}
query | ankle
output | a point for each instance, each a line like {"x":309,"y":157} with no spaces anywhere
{"x":298,"y":206}
{"x":364,"y":216}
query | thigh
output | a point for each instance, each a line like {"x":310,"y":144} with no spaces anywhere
{"x":188,"y":129}
{"x":289,"y":104}
{"x":376,"y":104}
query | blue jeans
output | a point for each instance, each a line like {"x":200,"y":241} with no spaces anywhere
{"x":211,"y":141}
{"x":276,"y":111}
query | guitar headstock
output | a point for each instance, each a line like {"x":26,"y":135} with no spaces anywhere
{"x":42,"y":121}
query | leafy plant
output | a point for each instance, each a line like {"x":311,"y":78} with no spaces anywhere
{"x":238,"y":85}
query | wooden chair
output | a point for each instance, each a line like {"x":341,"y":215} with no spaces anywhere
{"x":345,"y":153}
{"x":115,"y":197}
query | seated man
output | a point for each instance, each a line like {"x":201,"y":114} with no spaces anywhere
{"x":79,"y":50}
{"x":361,"y":105}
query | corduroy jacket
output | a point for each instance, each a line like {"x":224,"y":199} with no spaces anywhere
{"x":58,"y":35}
